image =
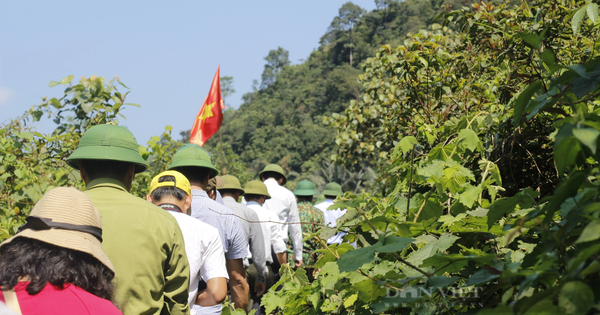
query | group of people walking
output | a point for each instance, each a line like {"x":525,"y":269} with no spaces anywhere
{"x":196,"y":239}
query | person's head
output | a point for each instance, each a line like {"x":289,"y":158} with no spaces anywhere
{"x":108,"y":151}
{"x":213,"y":184}
{"x":305,"y":190}
{"x":194,"y":163}
{"x":256,"y":190}
{"x":332,"y":190}
{"x":170,"y":188}
{"x":231,"y":187}
{"x":60,"y":244}
{"x":275,"y":172}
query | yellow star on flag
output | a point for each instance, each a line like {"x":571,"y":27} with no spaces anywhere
{"x":207,"y":111}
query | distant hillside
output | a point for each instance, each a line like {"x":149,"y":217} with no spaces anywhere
{"x":281,"y":121}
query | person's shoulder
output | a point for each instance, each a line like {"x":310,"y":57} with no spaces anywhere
{"x":96,"y":305}
{"x":215,"y":206}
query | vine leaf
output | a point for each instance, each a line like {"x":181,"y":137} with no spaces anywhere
{"x":523,"y":199}
{"x":590,"y":233}
{"x":576,"y":297}
{"x":481,"y":276}
{"x":588,"y":137}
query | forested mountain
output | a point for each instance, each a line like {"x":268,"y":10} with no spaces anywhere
{"x":281,"y":121}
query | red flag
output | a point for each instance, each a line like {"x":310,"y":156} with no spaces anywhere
{"x":210,"y":116}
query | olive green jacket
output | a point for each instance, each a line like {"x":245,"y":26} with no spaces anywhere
{"x":146,"y":248}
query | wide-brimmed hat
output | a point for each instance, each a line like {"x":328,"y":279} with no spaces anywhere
{"x":274,"y":168}
{"x":256,"y":187}
{"x":305,"y":188}
{"x":180,"y":182}
{"x":65,"y":217}
{"x":108,"y":142}
{"x":215,"y":183}
{"x":333,"y":189}
{"x":231,"y":182}
{"x":193,"y":155}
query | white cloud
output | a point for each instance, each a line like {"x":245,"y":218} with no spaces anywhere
{"x":6,"y":93}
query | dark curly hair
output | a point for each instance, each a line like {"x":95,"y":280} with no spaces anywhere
{"x":43,"y":263}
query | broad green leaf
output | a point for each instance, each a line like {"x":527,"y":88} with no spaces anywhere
{"x":523,"y":100}
{"x":368,"y":290}
{"x":25,"y":135}
{"x":566,"y":151}
{"x":592,"y":12}
{"x":53,"y":83}
{"x":56,"y":103}
{"x":587,"y":136}
{"x":577,"y":19}
{"x":576,"y":297}
{"x":470,"y":196}
{"x":543,"y":307}
{"x":441,"y":281}
{"x":432,"y":248}
{"x":523,"y":199}
{"x":407,"y":143}
{"x":66,"y":80}
{"x":533,"y":40}
{"x":354,"y":259}
{"x":394,"y":244}
{"x":349,"y":301}
{"x":481,"y":276}
{"x":594,"y":267}
{"x":590,"y":233}
{"x":469,"y":140}
{"x":87,"y":107}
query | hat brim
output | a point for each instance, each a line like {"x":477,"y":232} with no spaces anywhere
{"x":284,"y":178}
{"x":250,"y":191}
{"x":195,"y":163}
{"x":107,"y":153}
{"x":75,"y":240}
{"x":305,"y":192}
{"x":331,"y":193}
{"x":231,"y":188}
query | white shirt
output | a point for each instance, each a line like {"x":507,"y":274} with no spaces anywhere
{"x":283,"y":204}
{"x":204,"y":250}
{"x":272,"y":232}
{"x":331,"y":217}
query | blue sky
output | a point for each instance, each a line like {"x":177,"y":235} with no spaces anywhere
{"x":166,"y":51}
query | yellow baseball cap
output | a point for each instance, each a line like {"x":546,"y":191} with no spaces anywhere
{"x":180,"y":182}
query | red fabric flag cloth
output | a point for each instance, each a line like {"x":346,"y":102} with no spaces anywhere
{"x":210,"y":116}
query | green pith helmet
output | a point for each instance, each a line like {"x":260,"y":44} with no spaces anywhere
{"x":231,"y":182}
{"x":333,"y":189}
{"x":195,"y":156}
{"x":256,"y":187}
{"x":108,"y":142}
{"x":305,"y":188}
{"x":274,"y":168}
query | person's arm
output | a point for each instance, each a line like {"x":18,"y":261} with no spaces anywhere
{"x":256,"y":242}
{"x":295,"y":232}
{"x":177,"y":276}
{"x":237,"y":283}
{"x":215,"y":293}
{"x":213,"y":270}
{"x":235,"y":266}
{"x":277,"y":241}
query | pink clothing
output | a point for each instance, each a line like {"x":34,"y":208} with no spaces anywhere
{"x":72,"y":300}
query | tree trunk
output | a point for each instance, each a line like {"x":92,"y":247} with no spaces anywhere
{"x":351,"y":46}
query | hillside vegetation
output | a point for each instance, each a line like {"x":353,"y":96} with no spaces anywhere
{"x":281,"y":121}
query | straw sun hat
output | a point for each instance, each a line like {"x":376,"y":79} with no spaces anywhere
{"x":65,"y":217}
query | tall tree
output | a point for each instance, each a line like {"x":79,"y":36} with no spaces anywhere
{"x":276,"y":60}
{"x":348,"y":15}
{"x":226,"y":87}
